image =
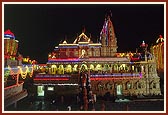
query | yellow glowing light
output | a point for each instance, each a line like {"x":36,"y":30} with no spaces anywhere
{"x":25,"y":59}
{"x":24,"y":74}
{"x":20,"y":71}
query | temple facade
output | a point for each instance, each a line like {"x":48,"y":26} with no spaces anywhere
{"x":127,"y":74}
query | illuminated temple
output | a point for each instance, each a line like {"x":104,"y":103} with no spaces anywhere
{"x":14,"y":71}
{"x":106,"y":70}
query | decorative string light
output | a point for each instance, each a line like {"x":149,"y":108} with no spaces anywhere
{"x":23,"y":74}
{"x":31,"y":72}
{"x":54,"y":79}
{"x":19,"y":70}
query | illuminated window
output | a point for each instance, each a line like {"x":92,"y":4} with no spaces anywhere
{"x":50,"y":88}
{"x":40,"y":90}
{"x":119,"y":89}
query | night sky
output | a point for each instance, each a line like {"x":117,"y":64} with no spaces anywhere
{"x":41,"y":27}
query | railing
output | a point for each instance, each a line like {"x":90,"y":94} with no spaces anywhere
{"x":12,"y":90}
{"x":15,"y":98}
{"x":14,"y":93}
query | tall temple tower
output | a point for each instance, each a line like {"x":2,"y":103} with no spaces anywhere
{"x":108,"y":39}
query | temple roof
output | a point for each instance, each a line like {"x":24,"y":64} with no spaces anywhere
{"x":82,"y":38}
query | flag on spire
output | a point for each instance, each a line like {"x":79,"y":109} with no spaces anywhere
{"x":83,"y":29}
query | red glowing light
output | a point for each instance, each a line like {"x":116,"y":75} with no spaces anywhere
{"x":134,"y":59}
{"x":12,"y":86}
{"x":118,"y":78}
{"x":49,"y":79}
{"x":160,"y":36}
{"x":8,"y":32}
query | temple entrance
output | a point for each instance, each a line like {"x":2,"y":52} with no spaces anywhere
{"x":119,"y":90}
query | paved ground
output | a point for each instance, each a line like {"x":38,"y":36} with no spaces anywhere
{"x":45,"y":105}
{"x":30,"y":104}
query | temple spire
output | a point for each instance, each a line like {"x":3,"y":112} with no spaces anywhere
{"x":107,"y":36}
{"x":83,"y":29}
{"x":108,"y":15}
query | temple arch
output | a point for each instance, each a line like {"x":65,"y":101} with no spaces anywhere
{"x":53,"y":69}
{"x":75,"y":68}
{"x":68,"y":68}
{"x":61,"y":69}
{"x":98,"y":68}
{"x":83,"y":67}
{"x":92,"y":67}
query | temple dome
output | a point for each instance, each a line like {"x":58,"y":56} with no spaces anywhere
{"x":9,"y":34}
{"x":160,"y":39}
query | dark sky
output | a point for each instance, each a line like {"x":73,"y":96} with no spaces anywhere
{"x":40,"y":27}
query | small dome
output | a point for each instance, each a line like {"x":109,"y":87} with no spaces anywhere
{"x":160,"y":39}
{"x":9,"y":34}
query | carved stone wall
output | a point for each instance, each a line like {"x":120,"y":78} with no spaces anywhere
{"x":149,"y":84}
